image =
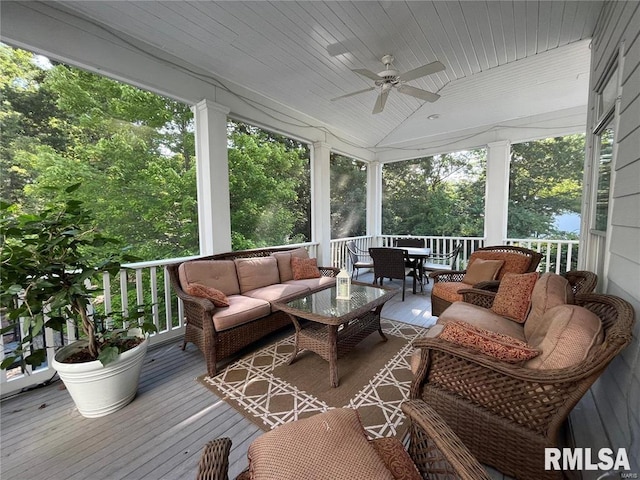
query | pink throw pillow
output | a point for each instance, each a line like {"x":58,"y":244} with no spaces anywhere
{"x":218,"y":298}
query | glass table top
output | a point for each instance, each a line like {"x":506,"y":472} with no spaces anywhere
{"x":325,"y":302}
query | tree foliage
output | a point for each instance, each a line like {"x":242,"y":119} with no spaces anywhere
{"x":348,"y":197}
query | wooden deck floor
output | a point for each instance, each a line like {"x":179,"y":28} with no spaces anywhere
{"x":160,"y":435}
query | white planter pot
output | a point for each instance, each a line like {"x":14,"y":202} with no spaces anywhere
{"x":98,"y":390}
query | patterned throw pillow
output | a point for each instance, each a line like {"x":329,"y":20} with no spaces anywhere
{"x":513,"y":299}
{"x":498,"y":345}
{"x":304,"y":268}
{"x":218,"y":298}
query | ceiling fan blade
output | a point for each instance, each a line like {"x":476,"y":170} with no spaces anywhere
{"x":382,"y":99}
{"x":353,"y":93}
{"x":366,"y":73}
{"x":418,"y":93}
{"x":433,"y":67}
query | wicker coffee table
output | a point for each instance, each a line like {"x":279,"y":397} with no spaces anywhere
{"x":336,"y":326}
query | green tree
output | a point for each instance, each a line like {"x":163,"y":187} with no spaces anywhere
{"x":545,"y":181}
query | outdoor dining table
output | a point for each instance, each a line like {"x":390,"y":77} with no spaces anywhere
{"x":419,"y":254}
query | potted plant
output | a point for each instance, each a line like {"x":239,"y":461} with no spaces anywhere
{"x":48,"y":276}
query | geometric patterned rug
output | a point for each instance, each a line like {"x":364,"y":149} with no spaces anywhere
{"x":374,"y":379}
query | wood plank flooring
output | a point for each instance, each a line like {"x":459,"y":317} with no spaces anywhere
{"x":160,"y":435}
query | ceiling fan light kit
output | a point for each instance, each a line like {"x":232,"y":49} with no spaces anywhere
{"x":390,"y":78}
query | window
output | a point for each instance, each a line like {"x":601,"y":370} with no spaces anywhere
{"x":348,"y":197}
{"x":603,"y":148}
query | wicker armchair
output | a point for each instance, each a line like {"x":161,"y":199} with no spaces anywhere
{"x":506,"y":414}
{"x":199,"y":327}
{"x":529,"y":263}
{"x":434,"y":448}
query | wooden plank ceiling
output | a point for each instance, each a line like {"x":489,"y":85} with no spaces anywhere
{"x":504,"y":60}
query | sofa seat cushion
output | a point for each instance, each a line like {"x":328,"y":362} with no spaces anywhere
{"x":482,"y":318}
{"x":497,"y":345}
{"x":549,"y":291}
{"x":338,"y":443}
{"x":314,"y":284}
{"x":218,"y":274}
{"x":566,"y":336}
{"x":513,"y":262}
{"x":280,"y":292}
{"x":448,"y":291}
{"x":284,"y":262}
{"x":241,"y":310}
{"x":256,"y":272}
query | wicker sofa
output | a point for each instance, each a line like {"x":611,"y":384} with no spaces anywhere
{"x":507,"y":413}
{"x":251,"y":280}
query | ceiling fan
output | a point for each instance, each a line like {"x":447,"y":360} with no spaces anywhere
{"x":390,"y":78}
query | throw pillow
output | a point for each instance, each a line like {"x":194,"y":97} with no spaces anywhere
{"x":304,"y":268}
{"x":482,"y":271}
{"x":513,"y":299}
{"x":337,"y":440}
{"x":218,"y":298}
{"x":498,"y":345}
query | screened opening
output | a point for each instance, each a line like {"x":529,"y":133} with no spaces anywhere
{"x":348,"y":197}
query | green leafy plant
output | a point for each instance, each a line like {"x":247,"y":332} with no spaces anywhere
{"x":48,"y":276}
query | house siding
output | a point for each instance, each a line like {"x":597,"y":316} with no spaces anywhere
{"x":615,"y":397}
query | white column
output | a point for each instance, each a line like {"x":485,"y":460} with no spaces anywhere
{"x":497,"y":192}
{"x":374,"y":199}
{"x":214,"y":210}
{"x":320,"y":201}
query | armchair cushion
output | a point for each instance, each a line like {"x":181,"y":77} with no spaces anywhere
{"x":481,"y":318}
{"x":482,"y":271}
{"x":513,"y":262}
{"x":550,"y":291}
{"x":513,"y":299}
{"x":502,"y":347}
{"x":449,"y":290}
{"x":566,"y":336}
{"x":332,"y":445}
{"x":218,"y":298}
{"x":304,"y":268}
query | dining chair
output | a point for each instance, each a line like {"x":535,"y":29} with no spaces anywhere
{"x":442,"y":261}
{"x":411,"y":263}
{"x":359,"y":258}
{"x":389,"y":263}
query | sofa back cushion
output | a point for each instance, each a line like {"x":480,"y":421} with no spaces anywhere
{"x":284,"y":262}
{"x":513,"y":262}
{"x":566,"y":335}
{"x":256,"y":272}
{"x":549,"y":291}
{"x":218,"y":274}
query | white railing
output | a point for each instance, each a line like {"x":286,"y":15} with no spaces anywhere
{"x":148,"y":283}
{"x":558,"y":256}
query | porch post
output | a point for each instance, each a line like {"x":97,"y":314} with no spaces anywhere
{"x":497,"y":192}
{"x":214,"y":224}
{"x":374,"y":200}
{"x":320,"y":201}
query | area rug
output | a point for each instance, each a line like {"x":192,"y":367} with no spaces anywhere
{"x":374,"y":377}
